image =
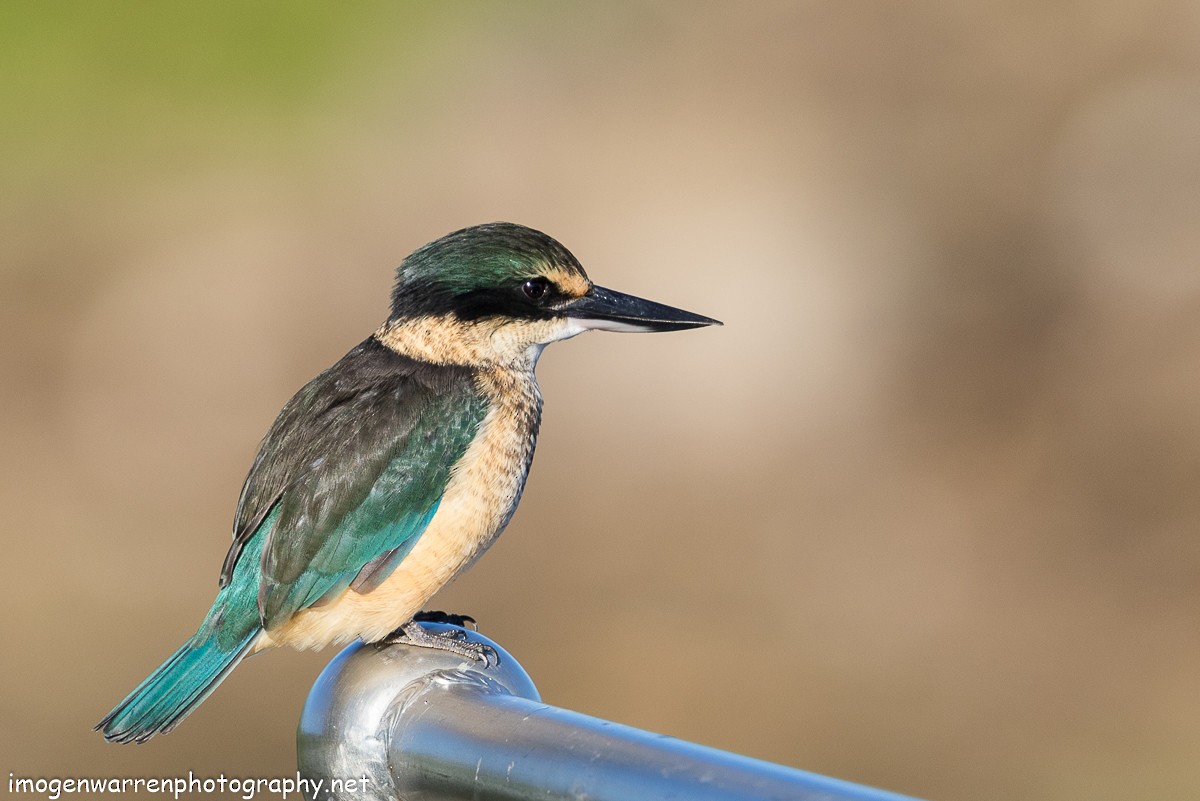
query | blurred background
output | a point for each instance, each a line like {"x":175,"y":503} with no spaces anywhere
{"x":923,"y":514}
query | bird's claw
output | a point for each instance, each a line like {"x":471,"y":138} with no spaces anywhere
{"x":478,"y":651}
{"x":452,"y":640}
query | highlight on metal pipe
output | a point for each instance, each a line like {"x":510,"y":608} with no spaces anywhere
{"x":401,"y":722}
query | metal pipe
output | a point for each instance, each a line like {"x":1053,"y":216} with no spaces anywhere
{"x":419,"y":724}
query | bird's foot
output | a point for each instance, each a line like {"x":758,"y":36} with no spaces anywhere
{"x":446,"y":617}
{"x":453,"y":640}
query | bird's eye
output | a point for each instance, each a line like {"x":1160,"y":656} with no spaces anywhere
{"x":535,"y":288}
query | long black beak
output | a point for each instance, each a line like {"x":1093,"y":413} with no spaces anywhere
{"x":606,"y":310}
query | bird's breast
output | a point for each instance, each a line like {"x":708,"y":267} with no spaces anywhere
{"x":481,"y":495}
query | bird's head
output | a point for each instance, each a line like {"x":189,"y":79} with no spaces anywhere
{"x":499,"y":293}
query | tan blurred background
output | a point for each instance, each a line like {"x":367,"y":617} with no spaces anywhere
{"x":922,"y":515}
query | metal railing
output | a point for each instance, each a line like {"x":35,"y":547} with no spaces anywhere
{"x":401,"y":722}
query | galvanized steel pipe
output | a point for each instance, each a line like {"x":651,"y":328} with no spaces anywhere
{"x":396,"y":721}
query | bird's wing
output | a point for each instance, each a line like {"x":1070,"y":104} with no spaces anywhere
{"x":350,"y":474}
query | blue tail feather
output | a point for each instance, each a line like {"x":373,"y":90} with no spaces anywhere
{"x":175,"y":688}
{"x":190,"y":675}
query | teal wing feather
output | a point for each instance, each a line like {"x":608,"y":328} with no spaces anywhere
{"x":350,"y":475}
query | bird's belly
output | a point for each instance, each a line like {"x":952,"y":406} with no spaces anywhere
{"x":484,"y":488}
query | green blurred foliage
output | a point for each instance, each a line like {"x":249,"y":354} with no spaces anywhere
{"x":91,"y":87}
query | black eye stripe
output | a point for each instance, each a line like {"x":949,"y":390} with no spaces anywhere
{"x":511,"y":300}
{"x":514,"y":301}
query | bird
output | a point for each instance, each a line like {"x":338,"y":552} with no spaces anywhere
{"x":391,"y":472}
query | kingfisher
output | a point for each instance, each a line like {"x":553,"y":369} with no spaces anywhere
{"x":391,"y":472}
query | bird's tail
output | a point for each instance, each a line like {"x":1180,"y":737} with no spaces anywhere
{"x":177,"y":686}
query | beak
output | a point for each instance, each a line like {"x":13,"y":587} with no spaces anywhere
{"x":605,"y":310}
